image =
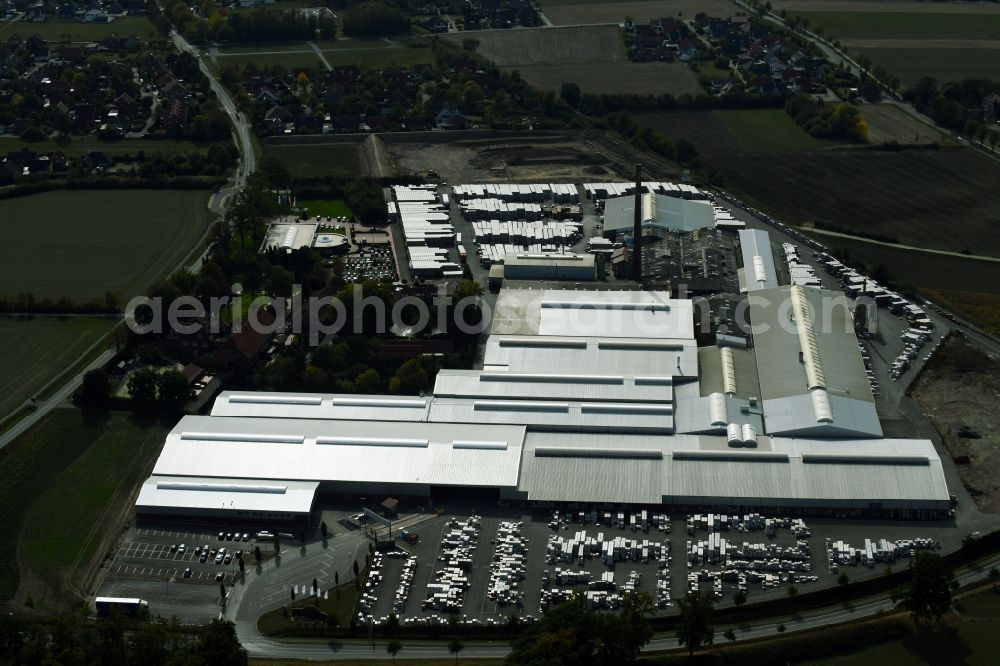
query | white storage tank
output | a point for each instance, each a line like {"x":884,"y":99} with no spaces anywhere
{"x":749,"y":435}
{"x":734,"y":435}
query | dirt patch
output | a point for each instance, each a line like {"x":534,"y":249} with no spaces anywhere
{"x":958,"y":391}
{"x":582,"y":157}
{"x":375,"y":160}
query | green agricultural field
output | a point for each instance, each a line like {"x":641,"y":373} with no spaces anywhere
{"x":316,"y":159}
{"x":945,"y":64}
{"x":73,"y":473}
{"x":37,"y":349}
{"x":325,"y":207}
{"x":372,"y":56}
{"x":718,"y":133}
{"x":80,"y":146}
{"x":900,"y":25}
{"x":263,"y":59}
{"x":940,"y":199}
{"x":80,"y":32}
{"x":95,"y":241}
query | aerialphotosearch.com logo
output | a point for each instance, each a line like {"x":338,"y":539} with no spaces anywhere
{"x":649,"y":316}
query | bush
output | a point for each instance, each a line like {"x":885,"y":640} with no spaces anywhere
{"x":374,"y":19}
{"x":33,"y":134}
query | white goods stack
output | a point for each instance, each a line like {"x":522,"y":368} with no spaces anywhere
{"x":508,"y":566}
{"x":458,"y":545}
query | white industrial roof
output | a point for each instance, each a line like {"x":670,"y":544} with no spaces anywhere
{"x":321,"y":406}
{"x":559,"y":312}
{"x":193,"y":492}
{"x":353,"y":451}
{"x":646,"y":358}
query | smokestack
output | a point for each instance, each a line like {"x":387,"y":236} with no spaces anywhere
{"x":637,"y":228}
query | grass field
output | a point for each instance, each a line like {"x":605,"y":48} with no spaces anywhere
{"x":911,"y":63}
{"x":325,"y":207}
{"x":984,"y":309}
{"x":371,"y":54}
{"x":940,"y":199}
{"x":719,"y":133}
{"x":653,"y":78}
{"x":317,"y":159}
{"x":82,"y":145}
{"x":968,"y":639}
{"x":37,"y":349}
{"x":341,"y":603}
{"x":94,"y":241}
{"x":566,"y":12}
{"x":80,"y":32}
{"x":921,"y":270}
{"x":545,"y":46}
{"x":103,"y":450}
{"x":80,"y":504}
{"x":887,"y":122}
{"x":906,"y":25}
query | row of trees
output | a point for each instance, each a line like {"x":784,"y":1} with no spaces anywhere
{"x":70,"y":639}
{"x":262,"y":24}
{"x":681,"y":151}
{"x":375,"y":19}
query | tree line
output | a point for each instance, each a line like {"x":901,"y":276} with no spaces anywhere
{"x":72,"y":640}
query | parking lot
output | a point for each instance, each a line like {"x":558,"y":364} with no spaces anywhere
{"x":186,"y":555}
{"x":769,"y":575}
{"x":371,"y":264}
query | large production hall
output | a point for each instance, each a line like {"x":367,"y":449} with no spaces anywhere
{"x":585,"y":398}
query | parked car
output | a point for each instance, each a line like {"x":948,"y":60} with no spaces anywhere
{"x":220,"y":576}
{"x":187,"y":572}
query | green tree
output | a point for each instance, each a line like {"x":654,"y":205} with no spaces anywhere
{"x":172,"y":387}
{"x":455,"y":647}
{"x":96,"y":385}
{"x":219,"y":645}
{"x":256,"y":553}
{"x":392,"y":625}
{"x":927,"y":595}
{"x":792,"y":591}
{"x":323,"y":530}
{"x":695,"y":623}
{"x":730,"y":635}
{"x":141,"y":385}
{"x":739,"y":598}
{"x":843,"y":579}
{"x":393,"y":647}
{"x":571,"y":94}
{"x":368,"y":381}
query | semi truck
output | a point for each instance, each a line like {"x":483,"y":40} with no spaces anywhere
{"x":124,"y":606}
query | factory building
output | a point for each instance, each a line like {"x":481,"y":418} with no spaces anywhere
{"x":585,"y":398}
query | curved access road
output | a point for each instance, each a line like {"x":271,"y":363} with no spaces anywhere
{"x":261,"y":646}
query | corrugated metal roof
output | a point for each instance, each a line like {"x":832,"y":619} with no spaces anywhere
{"x":773,"y":474}
{"x":539,"y":386}
{"x":438,"y":463}
{"x":670,"y":213}
{"x":758,"y":260}
{"x":567,"y":415}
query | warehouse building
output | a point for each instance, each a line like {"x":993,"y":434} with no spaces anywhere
{"x":660,"y":213}
{"x":584,"y":398}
